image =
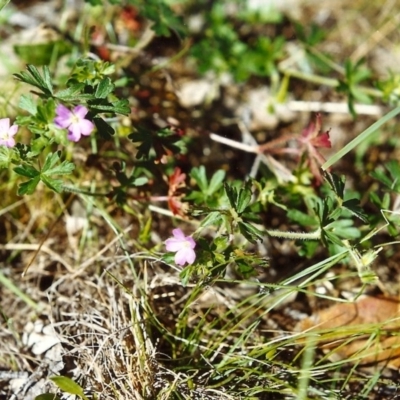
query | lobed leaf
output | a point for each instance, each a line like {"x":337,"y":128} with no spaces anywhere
{"x":216,"y":182}
{"x":27,"y":170}
{"x":34,"y":78}
{"x":28,"y":187}
{"x":104,"y":88}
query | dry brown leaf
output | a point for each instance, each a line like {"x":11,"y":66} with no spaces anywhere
{"x":364,"y":331}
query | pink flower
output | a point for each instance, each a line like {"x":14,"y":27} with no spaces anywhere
{"x":74,"y":121}
{"x":183,"y":246}
{"x":7,"y":133}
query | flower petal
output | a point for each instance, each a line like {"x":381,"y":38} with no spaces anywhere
{"x":74,"y":133}
{"x":80,"y":111}
{"x":178,"y":233}
{"x":13,"y":130}
{"x":185,"y":255}
{"x":86,"y":127}
{"x":10,"y":142}
{"x":190,"y":241}
{"x":183,"y":246}
{"x":64,"y":117}
{"x":173,"y":244}
{"x":63,"y":112}
{"x":4,"y":125}
{"x":190,"y":256}
{"x":62,"y":123}
{"x":7,"y":143}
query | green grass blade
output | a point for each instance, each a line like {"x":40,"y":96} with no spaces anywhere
{"x":360,"y":138}
{"x":3,"y":3}
{"x":11,"y":287}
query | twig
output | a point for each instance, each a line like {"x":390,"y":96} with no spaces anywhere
{"x":233,"y":143}
{"x":36,"y":248}
{"x":333,"y":108}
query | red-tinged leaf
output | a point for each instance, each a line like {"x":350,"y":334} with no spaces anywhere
{"x":311,"y":139}
{"x":176,"y":182}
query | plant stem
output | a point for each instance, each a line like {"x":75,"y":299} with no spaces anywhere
{"x":316,"y":235}
{"x":327,"y":81}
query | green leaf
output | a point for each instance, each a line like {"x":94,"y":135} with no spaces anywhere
{"x":335,"y":213}
{"x":213,"y":218}
{"x":239,"y":199}
{"x":393,"y":167}
{"x":104,"y":88}
{"x":28,"y":187}
{"x":168,"y":258}
{"x":34,"y":78}
{"x":360,"y":96}
{"x":5,"y":157}
{"x":47,"y":396}
{"x":216,"y":182}
{"x":65,"y":168}
{"x":392,"y":182}
{"x":49,"y":169}
{"x":250,"y":232}
{"x":119,"y":107}
{"x":386,"y":201}
{"x":343,"y":228}
{"x":336,"y":183}
{"x":95,"y":2}
{"x":302,"y":218}
{"x":161,"y":142}
{"x":42,"y":53}
{"x":353,"y":205}
{"x":47,"y":78}
{"x":163,"y":18}
{"x":231,"y":193}
{"x":3,"y":3}
{"x":50,"y":161}
{"x":144,"y":137}
{"x":382,"y":177}
{"x":245,"y":269}
{"x":27,"y":170}
{"x":27,"y":103}
{"x":37,"y":145}
{"x":329,"y":236}
{"x":73,"y":93}
{"x":243,"y":199}
{"x":308,"y":248}
{"x":53,"y":184}
{"x":140,"y":181}
{"x":199,"y":175}
{"x":196,"y":196}
{"x":105,"y":130}
{"x":68,"y":385}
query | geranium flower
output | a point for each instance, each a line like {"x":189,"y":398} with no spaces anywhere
{"x":74,"y":121}
{"x":7,"y":133}
{"x":183,"y":247}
